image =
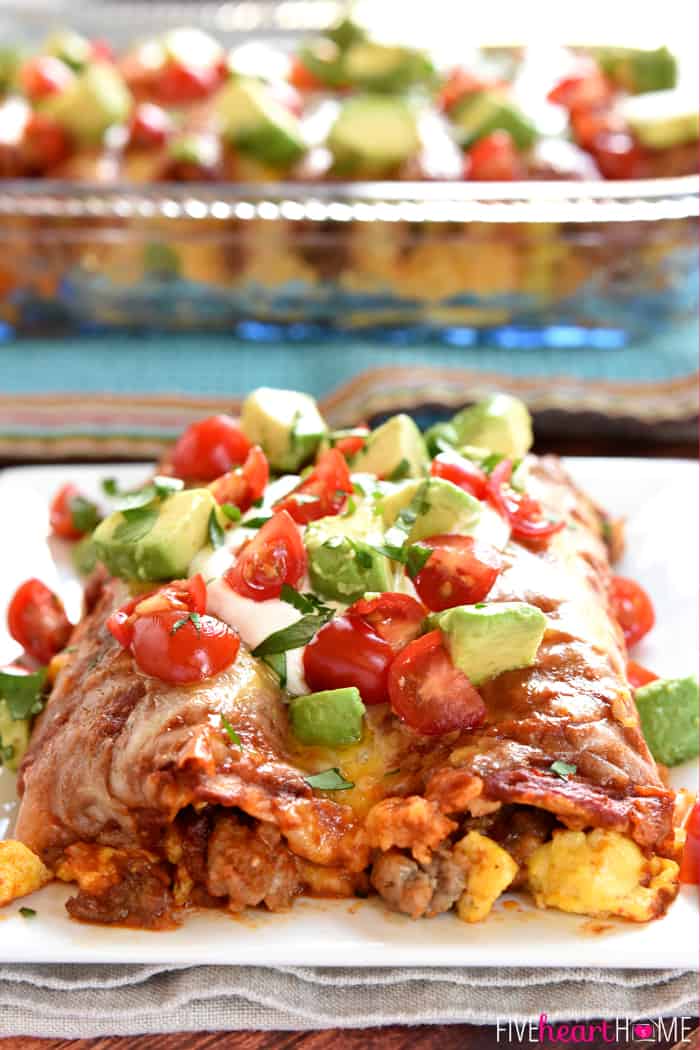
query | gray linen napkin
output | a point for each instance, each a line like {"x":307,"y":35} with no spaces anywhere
{"x":73,"y":1001}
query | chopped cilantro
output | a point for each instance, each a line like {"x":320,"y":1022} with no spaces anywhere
{"x":350,"y":508}
{"x":278,"y":663}
{"x":329,"y":780}
{"x":294,"y":636}
{"x":416,"y":557}
{"x":22,"y":693}
{"x":303,"y":603}
{"x":83,"y":514}
{"x":562,"y":769}
{"x":400,"y":471}
{"x":230,"y":731}
{"x":193,"y":618}
{"x":27,"y":913}
{"x":137,"y":523}
{"x":214,"y":530}
{"x":255,"y":523}
{"x":232,"y":512}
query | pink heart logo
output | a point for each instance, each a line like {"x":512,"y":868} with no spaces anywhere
{"x":643,"y":1031}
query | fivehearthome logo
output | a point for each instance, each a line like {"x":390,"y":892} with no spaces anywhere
{"x":543,"y":1032}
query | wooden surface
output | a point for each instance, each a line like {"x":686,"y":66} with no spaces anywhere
{"x":443,"y":1037}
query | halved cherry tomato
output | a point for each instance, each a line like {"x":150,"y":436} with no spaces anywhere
{"x":494,"y":158}
{"x":44,"y":143}
{"x":150,"y":126}
{"x":177,"y":83}
{"x":396,"y":618}
{"x":45,"y":76}
{"x":61,"y":513}
{"x":322,"y":493}
{"x":458,"y":84}
{"x":302,"y":78}
{"x":460,"y":471}
{"x":274,"y":557}
{"x":587,"y":124}
{"x":246,"y":484}
{"x":632,"y":609}
{"x":638,"y":675}
{"x":346,"y":651}
{"x":618,"y":155}
{"x":522,"y":511}
{"x":209,"y":448}
{"x":690,"y":864}
{"x":460,"y":571}
{"x":429,"y":693}
{"x":37,"y":620}
{"x":353,"y":443}
{"x":179,"y":596}
{"x":166,"y":648}
{"x":582,"y":90}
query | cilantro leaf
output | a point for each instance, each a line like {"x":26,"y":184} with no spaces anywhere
{"x":294,"y":636}
{"x":416,"y":557}
{"x":193,"y":618}
{"x":137,"y":523}
{"x":361,"y":554}
{"x":83,"y":514}
{"x":214,"y":530}
{"x":563,"y":769}
{"x":165,"y":486}
{"x":256,"y":523}
{"x":27,"y":913}
{"x":110,"y":486}
{"x":278,"y":663}
{"x":299,"y":601}
{"x":22,"y":693}
{"x":231,"y":732}
{"x":232,"y":512}
{"x":329,"y":780}
{"x":400,"y":471}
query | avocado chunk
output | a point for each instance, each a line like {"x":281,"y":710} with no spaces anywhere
{"x":286,"y":424}
{"x":10,"y":61}
{"x":343,"y":561}
{"x":373,"y":135}
{"x":257,"y":124}
{"x":636,"y":70}
{"x":386,"y":67}
{"x":479,"y":113}
{"x":331,"y":718}
{"x":160,"y":541}
{"x":84,"y":556}
{"x":14,"y":737}
{"x":93,"y":102}
{"x":395,"y":450}
{"x":486,"y":640}
{"x":72,"y":48}
{"x":662,"y":119}
{"x":499,"y":423}
{"x":432,"y":507}
{"x":323,"y":58}
{"x":668,"y":711}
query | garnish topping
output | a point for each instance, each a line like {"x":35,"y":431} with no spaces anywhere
{"x":329,"y":780}
{"x":230,"y":731}
{"x":23,"y":693}
{"x":563,"y":769}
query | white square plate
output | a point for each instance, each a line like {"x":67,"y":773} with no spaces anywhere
{"x":660,"y":500}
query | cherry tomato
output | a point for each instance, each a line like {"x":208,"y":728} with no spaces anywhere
{"x":180,"y":595}
{"x":493,"y":159}
{"x":177,"y":83}
{"x":246,"y":484}
{"x":45,"y":76}
{"x":618,"y":155}
{"x":458,"y":84}
{"x":638,"y":675}
{"x":429,"y":693}
{"x":209,"y":448}
{"x":150,"y":126}
{"x":522,"y":512}
{"x":274,"y":557}
{"x":322,"y":493}
{"x":346,"y":651}
{"x":44,"y":144}
{"x":460,"y":571}
{"x":37,"y":620}
{"x":302,"y":78}
{"x":690,"y":864}
{"x":101,"y":51}
{"x":61,"y":513}
{"x":396,"y":618}
{"x":582,"y":91}
{"x":166,"y":648}
{"x":460,"y":471}
{"x":352,"y":444}
{"x":632,"y":609}
{"x":588,"y":124}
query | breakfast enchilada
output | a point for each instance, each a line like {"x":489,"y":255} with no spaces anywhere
{"x":345,"y":663}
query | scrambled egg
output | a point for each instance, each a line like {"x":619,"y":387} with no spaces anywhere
{"x":21,"y":871}
{"x":490,"y":870}
{"x":601,"y":873}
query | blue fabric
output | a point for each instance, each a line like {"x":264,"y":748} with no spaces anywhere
{"x":221,"y":364}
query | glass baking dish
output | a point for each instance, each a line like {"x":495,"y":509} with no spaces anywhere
{"x":510,"y":264}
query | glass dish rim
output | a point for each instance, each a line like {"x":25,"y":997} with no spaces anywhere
{"x":643,"y":200}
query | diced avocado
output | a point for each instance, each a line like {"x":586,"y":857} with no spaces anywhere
{"x":668,"y":711}
{"x":331,"y":718}
{"x":161,"y":541}
{"x":638,"y":71}
{"x":192,"y":47}
{"x":257,"y":124}
{"x":662,"y":119}
{"x":343,"y":563}
{"x":478,"y":113}
{"x":286,"y":424}
{"x":486,"y":640}
{"x":84,"y":556}
{"x":14,"y":737}
{"x":395,"y":450}
{"x":324,"y":60}
{"x":386,"y":67}
{"x":499,"y":423}
{"x":10,"y":61}
{"x":439,"y":506}
{"x":93,"y":102}
{"x":72,"y":48}
{"x":345,"y":33}
{"x":373,"y":134}
{"x":200,"y":149}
